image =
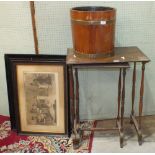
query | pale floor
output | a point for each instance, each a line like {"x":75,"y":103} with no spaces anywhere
{"x":101,"y":145}
{"x":108,"y":141}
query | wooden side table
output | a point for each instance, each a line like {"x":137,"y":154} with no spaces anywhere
{"x":121,"y":59}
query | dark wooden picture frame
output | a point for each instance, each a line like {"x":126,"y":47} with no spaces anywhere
{"x":30,"y":75}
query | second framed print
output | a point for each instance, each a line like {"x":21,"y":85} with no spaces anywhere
{"x":38,"y":93}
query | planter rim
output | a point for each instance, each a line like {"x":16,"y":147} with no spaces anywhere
{"x":92,"y":9}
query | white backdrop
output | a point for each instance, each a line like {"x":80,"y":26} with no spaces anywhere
{"x":16,"y":36}
{"x":98,"y":89}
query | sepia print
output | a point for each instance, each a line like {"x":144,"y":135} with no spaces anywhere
{"x":40,"y":96}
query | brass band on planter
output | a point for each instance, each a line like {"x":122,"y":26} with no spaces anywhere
{"x":92,"y":56}
{"x":93,"y":22}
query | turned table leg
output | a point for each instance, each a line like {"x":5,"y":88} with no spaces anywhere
{"x":119,"y":93}
{"x":121,"y":101}
{"x":76,"y":125}
{"x":141,"y":103}
{"x":133,"y":91}
{"x":72,"y":107}
{"x":122,"y":109}
{"x":136,"y":123}
{"x":71,"y":92}
{"x":77,"y":95}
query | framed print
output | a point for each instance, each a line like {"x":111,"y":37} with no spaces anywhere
{"x":37,"y":92}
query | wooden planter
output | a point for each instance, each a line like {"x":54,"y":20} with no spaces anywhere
{"x":93,"y":31}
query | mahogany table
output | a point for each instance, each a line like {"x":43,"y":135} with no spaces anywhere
{"x":123,"y":56}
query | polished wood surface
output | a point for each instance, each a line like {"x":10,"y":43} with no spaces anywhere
{"x":102,"y":65}
{"x":93,"y":31}
{"x":122,"y":54}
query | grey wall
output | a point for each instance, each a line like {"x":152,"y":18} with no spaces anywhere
{"x":15,"y":37}
{"x":98,"y":89}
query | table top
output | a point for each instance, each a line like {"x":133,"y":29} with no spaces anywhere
{"x":103,"y":65}
{"x":122,"y":55}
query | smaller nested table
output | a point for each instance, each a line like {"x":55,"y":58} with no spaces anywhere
{"x":121,"y":59}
